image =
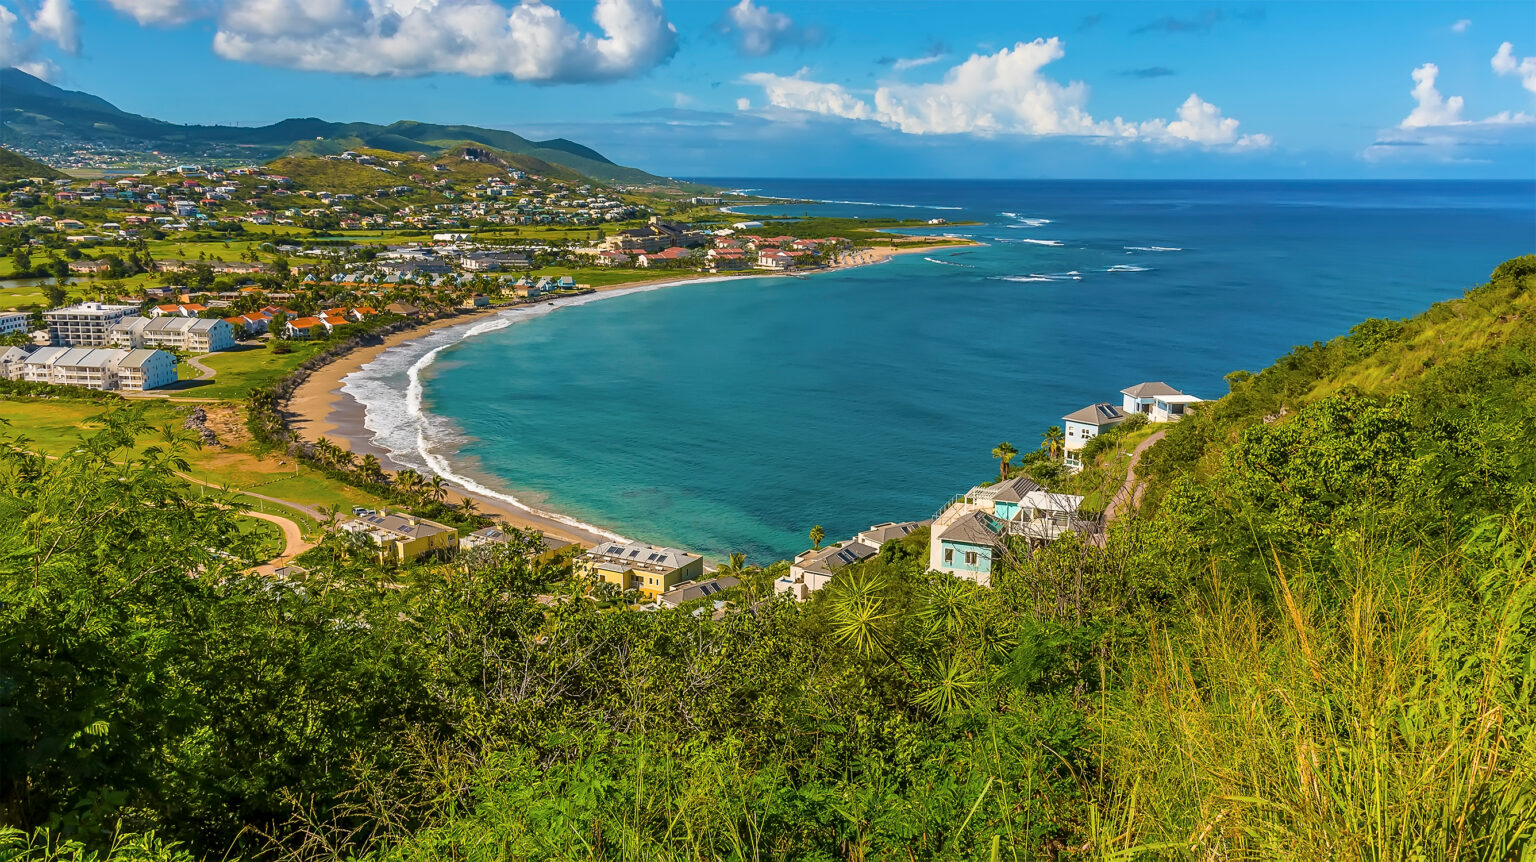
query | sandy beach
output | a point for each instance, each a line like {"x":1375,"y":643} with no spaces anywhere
{"x":319,"y":407}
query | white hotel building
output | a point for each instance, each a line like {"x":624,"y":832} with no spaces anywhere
{"x":88,"y":324}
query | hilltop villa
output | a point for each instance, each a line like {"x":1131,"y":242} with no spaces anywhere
{"x":403,"y":537}
{"x":1157,"y":401}
{"x":970,"y":533}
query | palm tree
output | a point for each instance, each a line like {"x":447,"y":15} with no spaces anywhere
{"x":437,"y":489}
{"x":817,"y":534}
{"x":1053,"y":438}
{"x":409,"y":480}
{"x":467,"y":507}
{"x":370,"y":468}
{"x":1004,"y":453}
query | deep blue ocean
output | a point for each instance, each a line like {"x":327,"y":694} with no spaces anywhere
{"x":732,"y":416}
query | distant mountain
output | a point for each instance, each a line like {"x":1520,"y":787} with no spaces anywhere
{"x":15,"y":166}
{"x":39,"y":116}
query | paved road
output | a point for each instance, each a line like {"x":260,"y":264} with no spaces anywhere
{"x":1130,"y":491}
{"x":206,"y":372}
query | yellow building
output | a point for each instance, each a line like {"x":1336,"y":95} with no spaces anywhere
{"x":402,"y":537}
{"x":638,"y":566}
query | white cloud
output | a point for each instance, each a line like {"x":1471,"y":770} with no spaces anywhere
{"x":904,"y":63}
{"x":57,"y":22}
{"x":1504,"y":63}
{"x":10,"y":40}
{"x":20,"y":39}
{"x":1000,"y":93}
{"x":528,"y":41}
{"x":743,"y":104}
{"x":163,"y":12}
{"x":1433,"y":109}
{"x":1462,"y":26}
{"x":759,"y":31}
{"x":1436,"y":111}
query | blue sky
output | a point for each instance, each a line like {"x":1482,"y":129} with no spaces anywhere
{"x":898,"y":89}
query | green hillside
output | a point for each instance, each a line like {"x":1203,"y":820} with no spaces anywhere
{"x":1316,"y":641}
{"x":37,"y":114}
{"x":15,"y":166}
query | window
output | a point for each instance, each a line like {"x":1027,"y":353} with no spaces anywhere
{"x":949,"y":556}
{"x":970,"y":558}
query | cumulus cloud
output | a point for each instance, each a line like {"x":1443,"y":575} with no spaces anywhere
{"x":1435,"y":111}
{"x":758,"y":31}
{"x":21,"y":39}
{"x":1462,"y":26}
{"x":1000,"y":93}
{"x":1504,"y":63}
{"x":1432,"y":108}
{"x":1437,"y":128}
{"x":57,"y":22}
{"x":528,"y":41}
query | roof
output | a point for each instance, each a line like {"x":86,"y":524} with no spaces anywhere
{"x":402,"y":525}
{"x":879,"y":534}
{"x":641,"y":554}
{"x":1102,"y":413}
{"x":697,"y":590}
{"x":1150,"y":390}
{"x":1179,"y":398}
{"x":138,"y":358}
{"x":306,"y":322}
{"x":975,"y":528}
{"x":1014,"y":490}
{"x":829,"y":560}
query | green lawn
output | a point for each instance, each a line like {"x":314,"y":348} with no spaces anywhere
{"x":241,"y":370}
{"x":53,"y":427}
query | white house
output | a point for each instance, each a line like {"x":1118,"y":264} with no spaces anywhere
{"x":1085,"y":424}
{"x":1139,"y":398}
{"x":1171,"y":408}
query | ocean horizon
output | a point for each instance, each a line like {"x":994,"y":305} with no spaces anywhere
{"x":733,"y":414}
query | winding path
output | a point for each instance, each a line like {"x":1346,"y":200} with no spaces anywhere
{"x":206,"y":372}
{"x":1129,"y":493}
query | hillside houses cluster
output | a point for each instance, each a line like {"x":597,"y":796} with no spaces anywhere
{"x":187,"y":197}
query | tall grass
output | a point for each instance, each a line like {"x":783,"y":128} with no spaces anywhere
{"x":1381,"y":712}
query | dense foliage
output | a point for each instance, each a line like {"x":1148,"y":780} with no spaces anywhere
{"x":1317,"y":639}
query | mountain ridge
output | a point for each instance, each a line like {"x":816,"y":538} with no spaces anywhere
{"x":38,"y":115}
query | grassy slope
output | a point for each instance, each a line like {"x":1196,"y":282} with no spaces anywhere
{"x":15,"y":166}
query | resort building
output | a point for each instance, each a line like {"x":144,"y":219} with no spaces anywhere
{"x":306,"y":327}
{"x":88,"y":324}
{"x":403,"y":537}
{"x":1085,"y":424}
{"x":13,"y":322}
{"x":192,"y":334}
{"x":638,"y":566}
{"x":105,"y":368}
{"x":813,"y":569}
{"x":971,"y":532}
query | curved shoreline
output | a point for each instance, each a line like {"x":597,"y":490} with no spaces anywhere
{"x":320,"y":406}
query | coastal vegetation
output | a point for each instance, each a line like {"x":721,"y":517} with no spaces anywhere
{"x":1317,"y":636}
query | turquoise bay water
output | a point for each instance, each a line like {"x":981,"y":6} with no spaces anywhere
{"x":732,"y":416}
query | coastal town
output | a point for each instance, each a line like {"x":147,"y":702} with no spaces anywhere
{"x":157,"y":324}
